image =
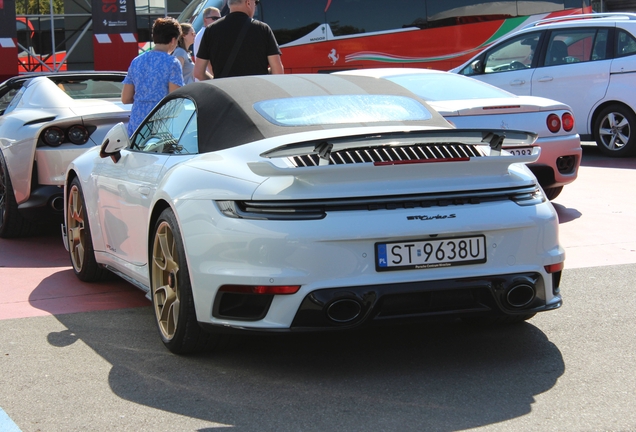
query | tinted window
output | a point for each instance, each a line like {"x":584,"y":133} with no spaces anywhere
{"x":317,"y":110}
{"x":362,"y":16}
{"x":90,"y":88}
{"x":460,"y":11}
{"x":15,"y":100}
{"x":6,"y":96}
{"x":292,"y":19}
{"x":162,"y":132}
{"x":536,"y":7}
{"x":517,"y":53}
{"x":575,"y":46}
{"x":625,"y":44}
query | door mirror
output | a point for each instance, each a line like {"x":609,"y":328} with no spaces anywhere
{"x":477,"y":67}
{"x":116,"y":140}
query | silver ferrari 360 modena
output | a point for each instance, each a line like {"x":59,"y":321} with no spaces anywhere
{"x":312,"y":202}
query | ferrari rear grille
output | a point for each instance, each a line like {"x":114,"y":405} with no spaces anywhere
{"x":392,"y":154}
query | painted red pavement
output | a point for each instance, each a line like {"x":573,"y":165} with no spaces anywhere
{"x":36,"y":279}
{"x":597,"y":215}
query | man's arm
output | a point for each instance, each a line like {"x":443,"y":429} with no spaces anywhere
{"x":201,"y":69}
{"x":276,"y":64}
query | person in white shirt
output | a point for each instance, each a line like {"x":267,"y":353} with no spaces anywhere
{"x":210,"y":15}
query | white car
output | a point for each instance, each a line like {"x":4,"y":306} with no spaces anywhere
{"x":468,"y":103}
{"x":585,"y":61}
{"x":46,"y":121}
{"x":311,"y":202}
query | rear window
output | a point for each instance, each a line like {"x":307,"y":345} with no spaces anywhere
{"x":341,"y":109}
{"x":91,"y":88}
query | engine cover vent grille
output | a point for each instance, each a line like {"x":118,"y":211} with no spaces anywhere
{"x":392,"y":154}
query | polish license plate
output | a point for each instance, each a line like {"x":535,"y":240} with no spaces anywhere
{"x":520,"y":151}
{"x":432,"y":253}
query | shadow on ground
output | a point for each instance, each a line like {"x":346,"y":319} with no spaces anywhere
{"x":438,"y":376}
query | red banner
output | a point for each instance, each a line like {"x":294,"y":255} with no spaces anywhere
{"x":114,"y":34}
{"x":8,"y":40}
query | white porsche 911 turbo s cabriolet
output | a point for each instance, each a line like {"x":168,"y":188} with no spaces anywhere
{"x":46,"y":121}
{"x":312,"y":202}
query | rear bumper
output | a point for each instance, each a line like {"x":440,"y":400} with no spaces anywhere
{"x":558,"y":164}
{"x":352,"y":307}
{"x":45,"y":203}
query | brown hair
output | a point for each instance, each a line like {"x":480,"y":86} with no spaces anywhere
{"x":185,"y":30}
{"x":165,"y":29}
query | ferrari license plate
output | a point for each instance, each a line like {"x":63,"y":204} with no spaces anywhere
{"x":432,"y":253}
{"x":520,"y":151}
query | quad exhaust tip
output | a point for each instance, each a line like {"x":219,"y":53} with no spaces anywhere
{"x":520,"y":295}
{"x":57,"y":203}
{"x":344,"y":310}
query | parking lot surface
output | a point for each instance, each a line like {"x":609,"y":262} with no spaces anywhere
{"x":78,"y":357}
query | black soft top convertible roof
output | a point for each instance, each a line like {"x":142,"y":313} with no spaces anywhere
{"x":226,"y":114}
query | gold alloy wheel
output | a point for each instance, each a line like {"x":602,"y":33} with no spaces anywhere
{"x":75,"y":228}
{"x":165,"y":288}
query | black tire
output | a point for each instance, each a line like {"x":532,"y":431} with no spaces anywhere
{"x":615,"y":131}
{"x":553,"y":192}
{"x":171,"y":291}
{"x":12,"y":224}
{"x":498,"y":320}
{"x":80,"y":242}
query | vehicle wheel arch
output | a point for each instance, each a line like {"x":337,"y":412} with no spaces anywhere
{"x":181,"y":334}
{"x":597,"y":110}
{"x":624,"y":111}
{"x":70,"y":176}
{"x":158,"y":208}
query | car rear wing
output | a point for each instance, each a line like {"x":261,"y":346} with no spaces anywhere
{"x":311,"y":158}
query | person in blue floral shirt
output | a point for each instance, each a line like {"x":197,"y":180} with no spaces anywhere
{"x":153,"y":74}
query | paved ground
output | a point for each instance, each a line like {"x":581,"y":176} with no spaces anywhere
{"x":79,"y":357}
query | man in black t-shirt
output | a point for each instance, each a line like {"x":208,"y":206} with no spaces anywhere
{"x":257,"y":54}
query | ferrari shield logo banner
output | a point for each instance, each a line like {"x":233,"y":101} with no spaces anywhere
{"x":114,"y":34}
{"x":8,"y":36}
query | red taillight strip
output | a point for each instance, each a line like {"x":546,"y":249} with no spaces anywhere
{"x":553,"y":268}
{"x":418,"y":161}
{"x":261,"y":289}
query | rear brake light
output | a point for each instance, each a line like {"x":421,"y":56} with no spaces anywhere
{"x":553,"y":268}
{"x":554,"y":123}
{"x":568,"y":121}
{"x":261,"y":289}
{"x":421,"y":161}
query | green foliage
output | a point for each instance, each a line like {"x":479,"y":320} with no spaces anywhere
{"x":38,"y":7}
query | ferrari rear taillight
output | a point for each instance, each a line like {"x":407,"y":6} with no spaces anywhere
{"x":554,"y":123}
{"x":568,"y":122}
